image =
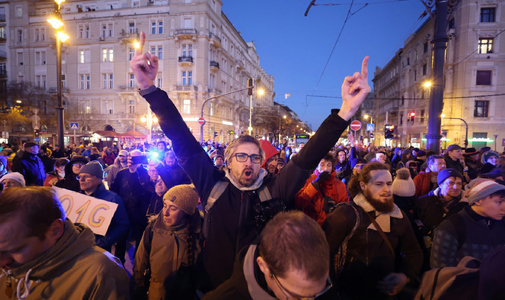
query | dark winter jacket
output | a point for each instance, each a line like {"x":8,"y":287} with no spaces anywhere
{"x":474,"y":167}
{"x":454,"y":164}
{"x":130,"y":187}
{"x":232,"y":223}
{"x":465,"y":234}
{"x":173,"y":175}
{"x":431,"y":211}
{"x":47,"y":162}
{"x":32,"y":169}
{"x":369,"y":259}
{"x":247,"y":281}
{"x":119,"y":225}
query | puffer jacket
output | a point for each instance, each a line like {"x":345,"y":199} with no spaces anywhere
{"x":311,"y":200}
{"x":32,"y":169}
{"x":73,"y":268}
{"x":231,"y":221}
{"x":164,"y":251}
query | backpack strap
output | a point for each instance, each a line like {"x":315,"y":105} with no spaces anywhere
{"x":341,"y":256}
{"x":216,"y":192}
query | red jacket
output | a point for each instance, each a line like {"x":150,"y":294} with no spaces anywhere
{"x":108,"y":159}
{"x":311,"y":201}
{"x":422,"y":181}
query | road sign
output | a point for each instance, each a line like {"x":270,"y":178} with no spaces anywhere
{"x":74,"y":126}
{"x":201,"y":121}
{"x":370,"y":127}
{"x":36,"y":139}
{"x":355,"y":125}
{"x":36,"y":127}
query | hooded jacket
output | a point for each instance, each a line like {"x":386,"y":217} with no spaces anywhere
{"x":70,"y":181}
{"x":116,"y":167}
{"x":232,"y":223}
{"x":73,"y":268}
{"x":164,"y":250}
{"x":311,"y":200}
{"x":31,"y":167}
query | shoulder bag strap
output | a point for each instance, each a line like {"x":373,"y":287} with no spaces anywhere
{"x":379,"y":229}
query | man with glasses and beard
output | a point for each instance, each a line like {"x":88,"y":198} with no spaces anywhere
{"x":373,"y":248}
{"x":235,"y":199}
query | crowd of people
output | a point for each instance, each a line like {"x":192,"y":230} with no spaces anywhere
{"x":250,"y":221}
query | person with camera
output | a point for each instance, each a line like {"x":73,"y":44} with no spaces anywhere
{"x":322,"y":191}
{"x":131,"y":185}
{"x":229,"y":197}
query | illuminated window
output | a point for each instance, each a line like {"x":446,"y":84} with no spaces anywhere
{"x":485,"y":45}
{"x":481,"y":109}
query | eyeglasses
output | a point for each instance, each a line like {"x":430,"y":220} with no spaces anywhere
{"x":242,"y":157}
{"x":283,"y":290}
{"x":452,"y":183}
{"x":78,"y":164}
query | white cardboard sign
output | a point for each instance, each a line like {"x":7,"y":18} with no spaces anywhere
{"x":80,"y":208}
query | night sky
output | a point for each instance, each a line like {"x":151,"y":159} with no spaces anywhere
{"x":294,"y":48}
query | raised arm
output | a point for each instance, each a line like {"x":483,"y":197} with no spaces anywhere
{"x":190,"y":154}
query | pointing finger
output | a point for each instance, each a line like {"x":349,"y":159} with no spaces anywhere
{"x":364,"y":68}
{"x":140,"y":49}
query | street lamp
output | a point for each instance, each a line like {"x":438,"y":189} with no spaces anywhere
{"x":466,"y":127}
{"x":149,"y":119}
{"x":56,"y":22}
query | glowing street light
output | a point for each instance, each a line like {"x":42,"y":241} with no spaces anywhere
{"x":63,"y":37}
{"x":427,"y":84}
{"x":284,"y":116}
{"x":261,"y":92}
{"x":55,"y":22}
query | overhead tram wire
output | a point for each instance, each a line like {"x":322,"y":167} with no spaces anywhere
{"x":414,"y":99}
{"x":368,"y":3}
{"x":329,"y":58}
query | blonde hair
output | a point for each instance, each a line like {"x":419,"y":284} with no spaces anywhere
{"x":230,"y":150}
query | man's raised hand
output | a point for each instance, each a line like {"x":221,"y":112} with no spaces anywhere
{"x":144,"y":65}
{"x":354,"y":90}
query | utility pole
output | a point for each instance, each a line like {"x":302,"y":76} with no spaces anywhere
{"x":436,"y":103}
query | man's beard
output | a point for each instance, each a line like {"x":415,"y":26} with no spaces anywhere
{"x":245,"y":180}
{"x":379,"y":205}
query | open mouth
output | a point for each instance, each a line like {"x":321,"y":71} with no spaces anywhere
{"x":248,"y":173}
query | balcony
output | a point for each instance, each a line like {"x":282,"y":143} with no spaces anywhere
{"x":3,"y":38}
{"x":187,"y":88}
{"x":185,"y":33}
{"x":2,"y":17}
{"x":129,"y":37}
{"x":186,"y":60}
{"x":216,"y":40}
{"x":214,"y":65}
{"x":54,"y":90}
{"x":126,"y":88}
{"x":3,"y":55}
{"x":3,"y":73}
{"x":215,"y":91}
{"x":240,"y":64}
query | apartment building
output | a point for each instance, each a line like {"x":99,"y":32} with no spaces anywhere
{"x":201,"y":56}
{"x":473,"y":92}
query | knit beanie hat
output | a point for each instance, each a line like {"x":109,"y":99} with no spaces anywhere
{"x":185,"y":196}
{"x":403,"y":185}
{"x":480,"y":188}
{"x":16,"y":176}
{"x":269,"y":150}
{"x":93,"y":168}
{"x":123,"y":152}
{"x":446,"y":173}
{"x":487,"y":155}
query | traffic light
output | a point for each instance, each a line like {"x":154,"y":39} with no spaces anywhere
{"x":250,"y":87}
{"x":231,"y":132}
{"x":412,"y":116}
{"x":389,"y":131}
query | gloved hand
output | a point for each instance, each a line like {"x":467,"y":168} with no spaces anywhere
{"x":322,"y":177}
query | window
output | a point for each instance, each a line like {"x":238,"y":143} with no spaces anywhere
{"x":37,"y":34}
{"x":20,"y":58}
{"x":107,"y":30}
{"x":131,"y":27}
{"x":186,"y":109}
{"x":153,"y":27}
{"x":214,"y":5}
{"x":187,"y":50}
{"x":401,"y":119}
{"x":40,"y":58}
{"x":487,"y":14}
{"x":485,"y":45}
{"x":86,"y":27}
{"x":188,"y":23}
{"x":83,"y":31}
{"x":107,"y":107}
{"x":483,"y":78}
{"x":425,"y":68}
{"x":481,"y":109}
{"x":425,"y":47}
{"x":187,"y":78}
{"x":37,"y":80}
{"x":135,"y":3}
{"x":84,"y":81}
{"x":211,"y":108}
{"x":85,"y":106}
{"x":422,"y":116}
{"x":63,"y":81}
{"x":131,"y":80}
{"x":107,"y":55}
{"x":160,"y":27}
{"x":159,"y":80}
{"x":20,"y":35}
{"x":19,"y":11}
{"x":403,"y":100}
{"x":408,"y":61}
{"x":415,"y":75}
{"x":3,"y":33}
{"x":160,"y":52}
{"x":84,"y":56}
{"x":108,"y":81}
{"x":131,"y":106}
{"x":131,"y":54}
